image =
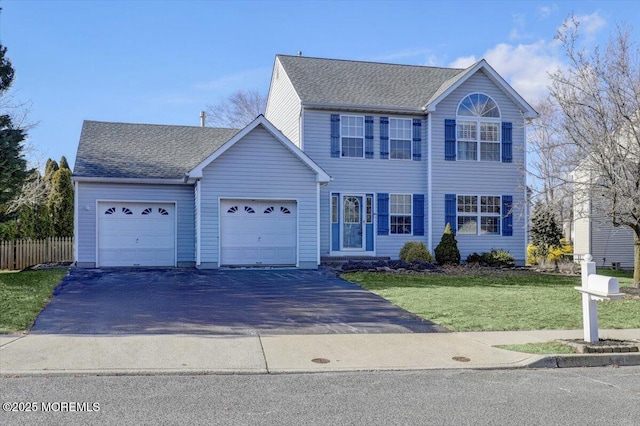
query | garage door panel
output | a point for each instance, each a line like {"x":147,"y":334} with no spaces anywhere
{"x":136,"y":234}
{"x":258,"y":232}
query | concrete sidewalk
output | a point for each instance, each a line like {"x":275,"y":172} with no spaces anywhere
{"x":35,"y":354}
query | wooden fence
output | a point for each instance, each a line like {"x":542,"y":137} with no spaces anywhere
{"x":20,"y":254}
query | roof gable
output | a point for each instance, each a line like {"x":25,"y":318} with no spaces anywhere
{"x":321,"y":175}
{"x":480,"y":66}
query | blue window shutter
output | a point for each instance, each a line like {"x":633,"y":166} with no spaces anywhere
{"x":417,"y":139}
{"x":335,"y":227}
{"x":507,"y":142}
{"x":450,"y":211}
{"x":418,"y":214}
{"x":450,"y":140}
{"x":335,"y":135}
{"x":368,"y":137}
{"x":384,"y":138}
{"x":507,"y":215}
{"x":383,"y":214}
{"x":369,"y":228}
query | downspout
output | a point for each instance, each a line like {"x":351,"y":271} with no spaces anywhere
{"x":429,"y":187}
{"x":75,"y":221}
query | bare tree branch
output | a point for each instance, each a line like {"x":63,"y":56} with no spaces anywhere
{"x":238,"y":110}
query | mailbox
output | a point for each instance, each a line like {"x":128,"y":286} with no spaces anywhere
{"x":603,"y":285}
{"x":595,"y":287}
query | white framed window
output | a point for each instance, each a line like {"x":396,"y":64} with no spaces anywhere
{"x":478,"y":129}
{"x":352,"y":136}
{"x":400,"y":138}
{"x":479,"y":214}
{"x":400,"y":211}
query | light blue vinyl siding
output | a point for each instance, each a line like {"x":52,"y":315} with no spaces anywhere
{"x":363,"y":176}
{"x":259,"y":167}
{"x":283,"y":105}
{"x":89,"y":193}
{"x":479,"y":178}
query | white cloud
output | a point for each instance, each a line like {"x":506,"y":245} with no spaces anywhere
{"x":591,"y":24}
{"x":464,"y":62}
{"x":546,"y":11}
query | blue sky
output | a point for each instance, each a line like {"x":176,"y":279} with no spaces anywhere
{"x":164,"y":61}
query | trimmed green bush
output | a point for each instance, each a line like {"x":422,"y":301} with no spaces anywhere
{"x":447,"y":250}
{"x":415,"y":250}
{"x":496,"y":257}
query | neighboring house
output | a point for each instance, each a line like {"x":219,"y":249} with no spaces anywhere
{"x":594,"y":233}
{"x":370,"y":156}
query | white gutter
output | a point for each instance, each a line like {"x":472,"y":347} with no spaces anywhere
{"x":396,"y":109}
{"x":155,"y":181}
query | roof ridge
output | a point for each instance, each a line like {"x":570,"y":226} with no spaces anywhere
{"x":371,"y":62}
{"x":160,"y":125}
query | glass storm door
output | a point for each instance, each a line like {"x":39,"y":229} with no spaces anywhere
{"x":352,"y":223}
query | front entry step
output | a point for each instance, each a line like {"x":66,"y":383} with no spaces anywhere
{"x":340,"y":260}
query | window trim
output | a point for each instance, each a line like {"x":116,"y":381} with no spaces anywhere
{"x":409,"y":141}
{"x":342,"y":117}
{"x":478,"y":122}
{"x":410,"y":214}
{"x":478,"y":215}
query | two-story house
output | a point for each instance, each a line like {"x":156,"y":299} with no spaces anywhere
{"x":409,"y":149}
{"x":352,"y":159}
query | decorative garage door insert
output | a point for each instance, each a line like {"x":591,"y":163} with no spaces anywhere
{"x":255,"y":233}
{"x":136,"y":234}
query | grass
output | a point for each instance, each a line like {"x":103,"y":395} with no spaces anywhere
{"x":477,"y":301}
{"x":23,"y":295}
{"x":624,"y":277}
{"x":540,"y":348}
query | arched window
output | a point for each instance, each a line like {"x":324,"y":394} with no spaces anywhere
{"x":478,"y":128}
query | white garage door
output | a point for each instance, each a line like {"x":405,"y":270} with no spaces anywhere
{"x":258,"y":232}
{"x":136,"y":234}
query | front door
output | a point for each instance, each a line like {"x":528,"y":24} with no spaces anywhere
{"x":352,"y":223}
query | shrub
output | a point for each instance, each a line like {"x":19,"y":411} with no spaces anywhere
{"x":447,"y":250}
{"x":555,"y":254}
{"x":415,"y":250}
{"x":474,"y":258}
{"x":496,"y":258}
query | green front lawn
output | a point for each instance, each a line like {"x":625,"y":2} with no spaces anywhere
{"x":23,"y":295}
{"x":467,"y":300}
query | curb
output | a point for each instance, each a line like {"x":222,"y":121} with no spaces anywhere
{"x":591,"y":360}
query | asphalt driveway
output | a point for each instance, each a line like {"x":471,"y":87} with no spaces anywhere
{"x":223,"y":302}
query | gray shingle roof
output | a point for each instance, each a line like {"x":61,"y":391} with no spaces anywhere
{"x":345,"y":82}
{"x":124,"y":150}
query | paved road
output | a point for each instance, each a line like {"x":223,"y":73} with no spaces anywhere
{"x":229,"y":302}
{"x":500,"y":397}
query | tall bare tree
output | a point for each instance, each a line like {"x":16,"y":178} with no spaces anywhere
{"x":238,"y":110}
{"x":552,"y":159}
{"x":598,"y":95}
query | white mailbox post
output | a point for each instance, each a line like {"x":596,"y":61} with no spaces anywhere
{"x":594,"y":288}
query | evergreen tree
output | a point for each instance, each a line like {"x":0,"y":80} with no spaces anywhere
{"x":49,"y":169}
{"x":13,"y":166}
{"x":64,"y":164}
{"x":60,"y":203}
{"x":447,"y":250}
{"x":545,"y":232}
